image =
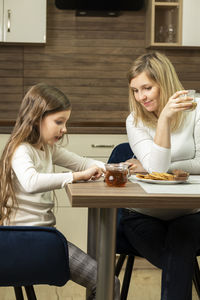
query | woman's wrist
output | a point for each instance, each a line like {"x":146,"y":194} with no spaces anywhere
{"x":163,"y":132}
{"x":164,"y":117}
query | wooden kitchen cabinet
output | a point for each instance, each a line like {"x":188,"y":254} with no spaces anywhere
{"x":72,"y":222}
{"x":23,"y":21}
{"x":173,"y":23}
{"x":191,"y":23}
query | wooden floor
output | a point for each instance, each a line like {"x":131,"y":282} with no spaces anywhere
{"x":145,"y":285}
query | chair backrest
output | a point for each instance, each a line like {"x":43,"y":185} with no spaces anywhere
{"x":121,"y":153}
{"x":33,"y":255}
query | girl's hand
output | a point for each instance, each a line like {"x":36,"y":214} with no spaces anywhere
{"x":135,"y":166}
{"x":177,"y":102}
{"x":93,"y":173}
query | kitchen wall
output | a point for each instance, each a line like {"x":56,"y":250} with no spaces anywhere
{"x":87,"y":58}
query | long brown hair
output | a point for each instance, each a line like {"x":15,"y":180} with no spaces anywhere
{"x":159,"y":69}
{"x":40,"y":100}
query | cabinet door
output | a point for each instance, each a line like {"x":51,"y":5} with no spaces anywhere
{"x":71,"y":221}
{"x":1,"y":20}
{"x":191,"y":23}
{"x":24,"y":21}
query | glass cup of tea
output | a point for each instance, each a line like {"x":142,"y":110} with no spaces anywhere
{"x":191,"y":94}
{"x":116,"y":174}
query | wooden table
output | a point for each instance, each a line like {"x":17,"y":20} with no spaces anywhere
{"x":103,"y":201}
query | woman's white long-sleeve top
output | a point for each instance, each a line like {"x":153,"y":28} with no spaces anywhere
{"x":184,"y":154}
{"x":34,"y":180}
{"x":185,"y":145}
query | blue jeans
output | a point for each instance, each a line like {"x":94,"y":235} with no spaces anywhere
{"x":170,"y":245}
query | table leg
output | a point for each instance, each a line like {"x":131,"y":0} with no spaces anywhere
{"x":92,"y":232}
{"x":106,"y":254}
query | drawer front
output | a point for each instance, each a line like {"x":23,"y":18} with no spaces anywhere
{"x":94,"y":145}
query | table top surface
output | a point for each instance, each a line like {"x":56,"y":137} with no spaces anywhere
{"x":98,"y":194}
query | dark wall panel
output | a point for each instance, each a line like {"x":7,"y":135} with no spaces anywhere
{"x":87,"y":58}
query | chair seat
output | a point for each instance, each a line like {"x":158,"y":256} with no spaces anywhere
{"x":33,"y":255}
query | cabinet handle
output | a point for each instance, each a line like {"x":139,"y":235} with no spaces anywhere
{"x":9,"y":17}
{"x":102,"y":146}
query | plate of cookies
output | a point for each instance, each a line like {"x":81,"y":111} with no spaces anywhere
{"x":176,"y":176}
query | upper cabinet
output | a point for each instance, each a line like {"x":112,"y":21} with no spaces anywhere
{"x":173,"y":23}
{"x":191,"y":23}
{"x":23,"y":21}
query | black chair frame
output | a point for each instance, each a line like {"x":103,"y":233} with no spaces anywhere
{"x":129,"y":269}
{"x":30,"y":293}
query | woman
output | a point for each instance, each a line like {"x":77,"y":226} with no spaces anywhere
{"x":163,"y":137}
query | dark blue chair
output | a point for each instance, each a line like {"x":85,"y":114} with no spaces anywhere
{"x":31,"y":255}
{"x":121,"y":153}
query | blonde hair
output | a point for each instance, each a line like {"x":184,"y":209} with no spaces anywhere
{"x":40,"y":101}
{"x":159,"y":69}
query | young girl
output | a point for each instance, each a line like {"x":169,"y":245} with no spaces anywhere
{"x":26,"y":172}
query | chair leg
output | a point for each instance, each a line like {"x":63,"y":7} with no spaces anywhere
{"x":30,"y":292}
{"x":18,"y":293}
{"x":196,"y":277}
{"x":127,"y":277}
{"x":119,"y":264}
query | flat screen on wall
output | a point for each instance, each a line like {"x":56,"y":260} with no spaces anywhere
{"x":99,"y":7}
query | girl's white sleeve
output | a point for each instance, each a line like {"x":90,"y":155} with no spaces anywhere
{"x":32,"y":180}
{"x":151,"y":156}
{"x":64,"y":158}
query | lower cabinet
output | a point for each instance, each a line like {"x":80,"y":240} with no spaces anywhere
{"x":72,"y":222}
